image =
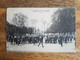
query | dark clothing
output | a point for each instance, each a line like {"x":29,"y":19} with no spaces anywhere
{"x":41,"y":41}
{"x":15,"y":40}
{"x":61,"y":40}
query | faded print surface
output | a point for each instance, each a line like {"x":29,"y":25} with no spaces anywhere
{"x":41,"y":29}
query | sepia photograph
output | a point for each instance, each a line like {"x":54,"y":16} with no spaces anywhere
{"x":41,"y":30}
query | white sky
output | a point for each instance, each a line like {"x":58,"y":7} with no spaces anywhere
{"x":38,"y":17}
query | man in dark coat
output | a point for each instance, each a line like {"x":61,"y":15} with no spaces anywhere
{"x":61,"y":38}
{"x":18,"y":40}
{"x":55,"y":39}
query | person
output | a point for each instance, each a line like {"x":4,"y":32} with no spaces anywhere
{"x":66,"y":39}
{"x":18,"y":40}
{"x":15,"y":39}
{"x":41,"y":41}
{"x":71,"y":38}
{"x":55,"y":39}
{"x":34,"y":40}
{"x":47,"y":40}
{"x":30,"y":39}
{"x":61,"y":38}
{"x":11,"y":39}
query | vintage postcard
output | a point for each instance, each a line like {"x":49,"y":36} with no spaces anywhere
{"x":41,"y":30}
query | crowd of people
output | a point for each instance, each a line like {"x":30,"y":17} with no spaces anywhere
{"x":60,"y":39}
{"x":40,"y":39}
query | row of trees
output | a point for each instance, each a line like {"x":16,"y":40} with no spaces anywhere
{"x":63,"y":21}
{"x":17,"y":26}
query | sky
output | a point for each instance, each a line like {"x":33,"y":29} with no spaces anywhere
{"x":40,"y":18}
